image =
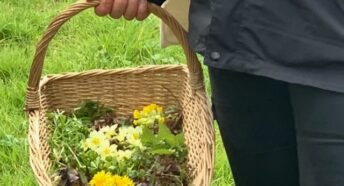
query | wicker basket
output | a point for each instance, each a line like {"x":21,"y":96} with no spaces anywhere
{"x":125,"y":89}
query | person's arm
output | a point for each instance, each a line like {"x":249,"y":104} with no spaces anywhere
{"x":130,"y":9}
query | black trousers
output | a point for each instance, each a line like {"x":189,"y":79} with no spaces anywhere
{"x":279,"y":134}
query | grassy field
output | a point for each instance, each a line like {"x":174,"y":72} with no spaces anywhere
{"x":86,"y":42}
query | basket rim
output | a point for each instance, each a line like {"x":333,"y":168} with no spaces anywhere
{"x":48,"y":78}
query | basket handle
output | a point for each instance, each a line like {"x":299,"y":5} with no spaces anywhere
{"x":194,"y":66}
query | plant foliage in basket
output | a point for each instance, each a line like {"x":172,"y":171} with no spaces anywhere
{"x":93,"y":146}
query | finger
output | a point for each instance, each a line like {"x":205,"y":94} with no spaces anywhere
{"x":131,"y":10}
{"x":142,"y":12}
{"x":104,"y":7}
{"x":118,"y":8}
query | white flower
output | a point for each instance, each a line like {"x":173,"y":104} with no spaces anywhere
{"x":122,"y":134}
{"x":104,"y":129}
{"x":109,"y":132}
{"x":96,"y":140}
{"x":136,"y":143}
{"x":123,"y":154}
{"x":107,"y":151}
{"x":114,"y":127}
{"x":134,"y":137}
{"x":84,"y":145}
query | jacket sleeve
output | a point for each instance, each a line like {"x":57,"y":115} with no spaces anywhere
{"x":158,"y":2}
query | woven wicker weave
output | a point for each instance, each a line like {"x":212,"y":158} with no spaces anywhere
{"x":125,"y":89}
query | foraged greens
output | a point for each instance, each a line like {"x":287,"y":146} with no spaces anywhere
{"x":93,"y":146}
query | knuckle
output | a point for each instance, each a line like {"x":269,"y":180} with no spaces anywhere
{"x":104,"y":7}
{"x":121,"y":3}
{"x":100,"y":11}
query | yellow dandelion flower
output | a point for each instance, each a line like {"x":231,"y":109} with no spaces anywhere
{"x":102,"y":178}
{"x":117,"y":178}
{"x":123,"y":181}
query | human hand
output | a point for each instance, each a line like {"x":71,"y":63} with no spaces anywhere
{"x":130,"y":9}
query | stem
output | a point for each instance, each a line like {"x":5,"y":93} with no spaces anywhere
{"x":76,"y":158}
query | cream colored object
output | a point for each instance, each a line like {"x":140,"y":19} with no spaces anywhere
{"x":180,"y":10}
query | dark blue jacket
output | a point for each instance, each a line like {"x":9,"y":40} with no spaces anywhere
{"x":297,"y":41}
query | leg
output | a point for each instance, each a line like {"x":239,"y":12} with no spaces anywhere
{"x":257,"y":127}
{"x":319,"y":120}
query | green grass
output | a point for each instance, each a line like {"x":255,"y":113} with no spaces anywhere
{"x":86,"y":42}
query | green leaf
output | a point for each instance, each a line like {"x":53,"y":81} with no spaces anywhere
{"x":148,"y":136}
{"x":165,"y":134}
{"x":180,"y":138}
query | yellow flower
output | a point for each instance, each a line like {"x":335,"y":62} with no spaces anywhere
{"x":123,"y":154}
{"x":134,"y":136}
{"x":104,"y":129}
{"x":84,"y":145}
{"x":122,"y":134}
{"x":161,"y":120}
{"x":109,"y":132}
{"x":137,"y":114}
{"x":135,"y":140}
{"x":96,"y":140}
{"x":145,"y":121}
{"x":137,"y":143}
{"x":123,"y":181}
{"x":107,"y":151}
{"x":149,"y":115}
{"x":136,"y":122}
{"x":103,"y":178}
{"x":148,"y":109}
{"x":135,"y":130}
{"x":127,"y":132}
{"x":160,"y":110}
{"x":114,"y":127}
